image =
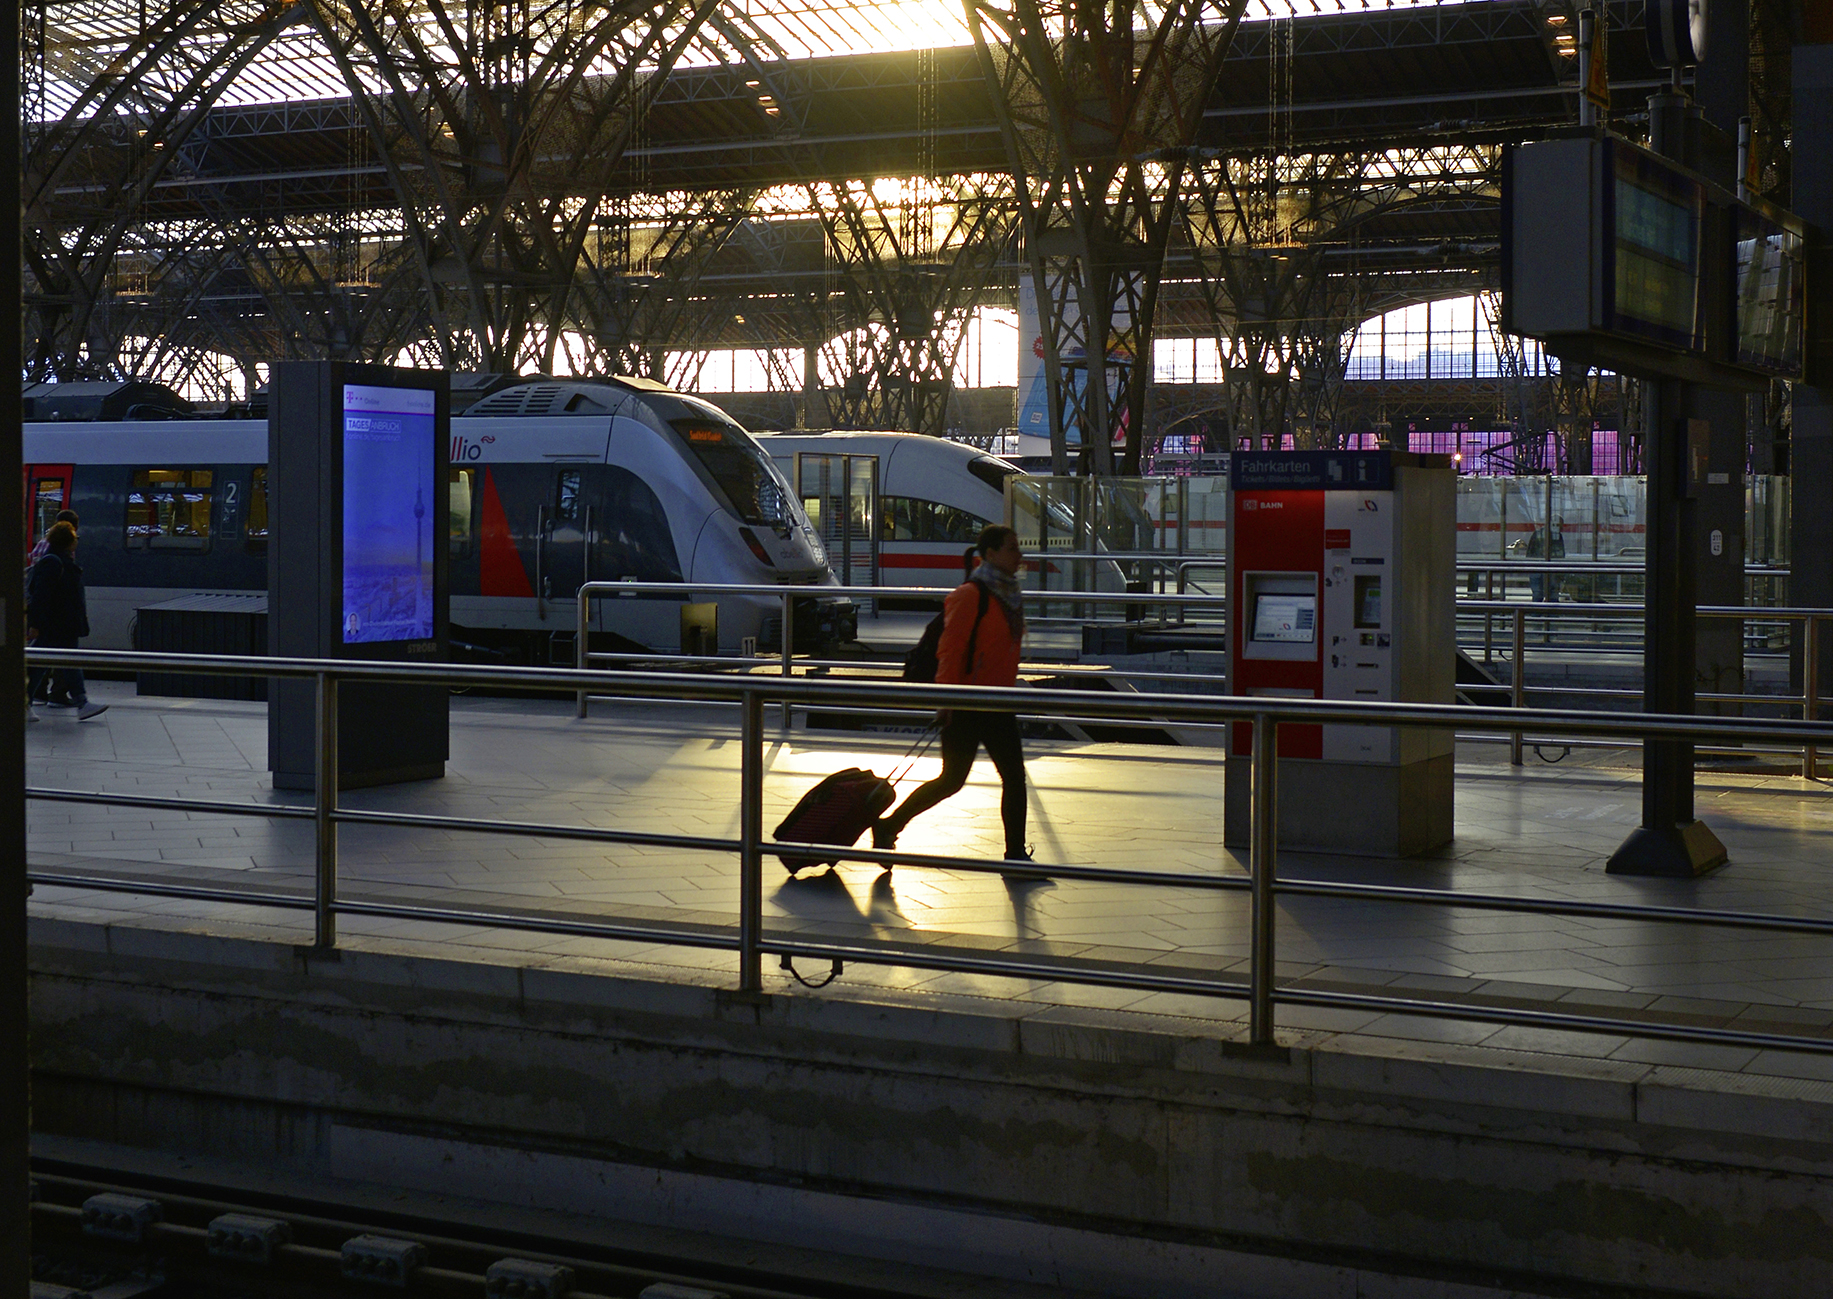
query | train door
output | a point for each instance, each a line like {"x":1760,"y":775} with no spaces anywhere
{"x":568,"y":523}
{"x":840,"y":495}
{"x":47,"y":490}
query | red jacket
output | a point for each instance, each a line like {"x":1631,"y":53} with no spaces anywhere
{"x":995,"y":647}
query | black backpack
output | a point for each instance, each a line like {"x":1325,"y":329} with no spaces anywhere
{"x":921,"y":663}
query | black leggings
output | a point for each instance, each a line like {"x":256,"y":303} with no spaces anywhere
{"x":64,"y":681}
{"x":961,"y":741}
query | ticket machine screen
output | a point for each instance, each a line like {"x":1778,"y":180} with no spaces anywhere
{"x":1285,"y":619}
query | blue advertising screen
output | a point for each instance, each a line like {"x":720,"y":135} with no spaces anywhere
{"x":390,"y":509}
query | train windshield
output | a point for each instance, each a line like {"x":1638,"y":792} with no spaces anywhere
{"x":992,"y":471}
{"x":741,"y":470}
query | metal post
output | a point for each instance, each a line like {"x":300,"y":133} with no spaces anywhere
{"x":579,"y":646}
{"x":324,"y":827}
{"x":1810,"y":677}
{"x":15,"y":1077}
{"x":1587,"y":111}
{"x":1263,"y":844}
{"x":1517,"y":690}
{"x":789,"y":646}
{"x":750,"y":855}
{"x":1671,"y":840}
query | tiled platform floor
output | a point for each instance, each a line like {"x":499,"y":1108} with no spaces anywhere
{"x":1543,"y":831}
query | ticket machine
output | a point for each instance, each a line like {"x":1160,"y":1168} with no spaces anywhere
{"x":1341,"y":566}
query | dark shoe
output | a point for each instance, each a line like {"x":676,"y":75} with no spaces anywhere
{"x":62,"y":701}
{"x":884,"y":836}
{"x":1023,"y":856}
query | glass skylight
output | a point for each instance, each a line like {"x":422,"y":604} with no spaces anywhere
{"x":96,"y":42}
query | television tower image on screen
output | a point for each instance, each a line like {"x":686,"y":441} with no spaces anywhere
{"x":389,"y":449}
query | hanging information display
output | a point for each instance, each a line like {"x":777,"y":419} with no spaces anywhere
{"x":1615,"y":257}
{"x":1771,"y":297}
{"x":1653,"y":216}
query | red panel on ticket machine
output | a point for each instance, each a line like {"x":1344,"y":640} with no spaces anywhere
{"x":1308,"y":537}
{"x":1277,"y":561}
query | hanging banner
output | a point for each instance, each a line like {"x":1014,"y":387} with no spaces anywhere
{"x":1597,"y":85}
{"x":1033,"y":386}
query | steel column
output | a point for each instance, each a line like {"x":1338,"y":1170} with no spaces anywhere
{"x":789,"y":646}
{"x":580,"y":660}
{"x":751,"y":835}
{"x":1810,"y":760}
{"x":1517,"y":689}
{"x":1263,"y":844}
{"x":324,"y":822}
{"x":1671,"y":841}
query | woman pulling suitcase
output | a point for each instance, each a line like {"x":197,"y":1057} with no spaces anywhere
{"x":982,"y":628}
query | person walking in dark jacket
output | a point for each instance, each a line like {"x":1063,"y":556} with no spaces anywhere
{"x":57,"y":616}
{"x":39,"y":551}
{"x":1547,"y":544}
{"x":982,"y":628}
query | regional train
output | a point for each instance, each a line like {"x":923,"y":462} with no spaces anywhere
{"x":551,"y":483}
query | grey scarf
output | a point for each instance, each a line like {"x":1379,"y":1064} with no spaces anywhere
{"x":1003,"y":587}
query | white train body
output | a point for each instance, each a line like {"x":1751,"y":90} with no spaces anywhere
{"x":934,"y":496}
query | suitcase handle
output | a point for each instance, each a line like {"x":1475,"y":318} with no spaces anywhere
{"x":915,"y":754}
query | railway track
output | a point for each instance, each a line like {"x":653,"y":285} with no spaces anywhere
{"x":106,"y":1233}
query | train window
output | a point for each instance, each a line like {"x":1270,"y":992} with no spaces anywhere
{"x":741,"y":470}
{"x":633,"y":538}
{"x":909,"y":519}
{"x":48,"y":501}
{"x":169,"y":509}
{"x":568,"y":504}
{"x":459,"y":495}
{"x":256,"y":532}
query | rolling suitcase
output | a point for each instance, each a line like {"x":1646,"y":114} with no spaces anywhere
{"x":839,"y":810}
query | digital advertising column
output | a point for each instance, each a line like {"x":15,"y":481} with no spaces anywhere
{"x":357,"y":565}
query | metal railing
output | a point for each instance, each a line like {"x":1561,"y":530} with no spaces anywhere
{"x":1489,"y":571}
{"x":1261,"y":991}
{"x":584,"y":656}
{"x":1516,"y":613}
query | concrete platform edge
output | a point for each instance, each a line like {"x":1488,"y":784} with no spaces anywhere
{"x":1675,"y":1178}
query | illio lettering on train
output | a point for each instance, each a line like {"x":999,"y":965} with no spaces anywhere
{"x":464,"y":450}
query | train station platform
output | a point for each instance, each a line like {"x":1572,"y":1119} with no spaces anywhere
{"x":1095,"y":1139}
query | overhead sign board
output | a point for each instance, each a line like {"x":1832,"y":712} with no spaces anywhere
{"x":1311,"y":471}
{"x":1615,"y":257}
{"x":1653,"y":214}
